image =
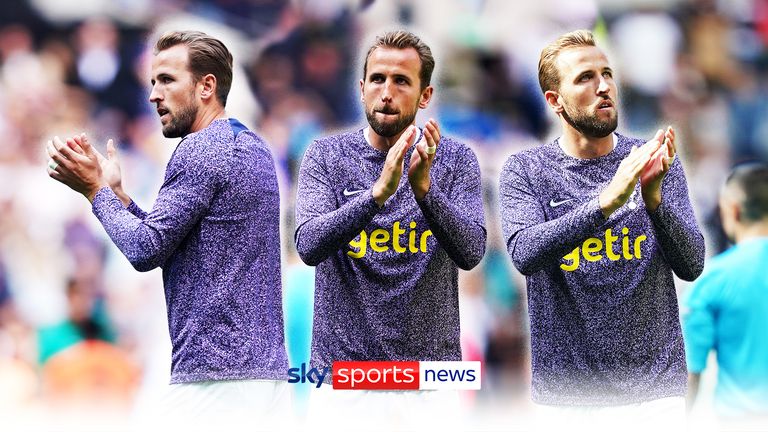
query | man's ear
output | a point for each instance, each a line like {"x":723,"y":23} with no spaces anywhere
{"x":554,"y":100}
{"x":208,"y":86}
{"x":736,"y":213}
{"x":730,"y":214}
{"x":426,"y":97}
{"x":362,"y":91}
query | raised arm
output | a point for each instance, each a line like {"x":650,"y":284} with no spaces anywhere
{"x":665,"y":193}
{"x":190,"y":184}
{"x":676,"y":229}
{"x":457,"y":218}
{"x":147,"y":242}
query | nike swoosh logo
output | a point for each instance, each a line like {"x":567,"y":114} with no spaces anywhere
{"x":553,"y":203}
{"x":348,"y":192}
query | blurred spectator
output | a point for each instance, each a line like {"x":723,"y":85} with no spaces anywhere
{"x":101,"y":59}
{"x":254,"y":17}
{"x":725,"y":309}
{"x":18,"y":378}
{"x":90,"y":373}
{"x":646,"y":64}
{"x":85,"y":321}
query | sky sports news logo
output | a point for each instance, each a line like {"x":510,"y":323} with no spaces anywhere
{"x":393,"y":375}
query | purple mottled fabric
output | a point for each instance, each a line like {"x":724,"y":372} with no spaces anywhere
{"x":214,"y":230}
{"x":605,"y":328}
{"x":386,"y":283}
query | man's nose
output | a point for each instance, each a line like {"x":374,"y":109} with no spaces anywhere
{"x":155,"y":95}
{"x":603,"y":86}
{"x":386,"y":92}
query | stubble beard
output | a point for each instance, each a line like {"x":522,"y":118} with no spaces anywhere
{"x":590,"y":125}
{"x":180,"y":123}
{"x":390,"y":129}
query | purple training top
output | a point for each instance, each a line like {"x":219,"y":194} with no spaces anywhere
{"x":386,"y":284}
{"x":605,"y":328}
{"x":214,"y":230}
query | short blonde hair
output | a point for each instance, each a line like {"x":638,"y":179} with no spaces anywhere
{"x":401,"y":39}
{"x":549,"y":75}
{"x":207,"y":55}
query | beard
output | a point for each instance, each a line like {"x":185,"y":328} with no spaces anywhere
{"x":590,"y":125}
{"x":389,"y":129}
{"x":180,"y":123}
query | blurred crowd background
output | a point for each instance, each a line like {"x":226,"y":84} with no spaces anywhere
{"x":79,"y":325}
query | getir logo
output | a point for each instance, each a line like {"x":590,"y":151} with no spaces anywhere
{"x":406,"y":375}
{"x":592,"y":249}
{"x":381,"y":240}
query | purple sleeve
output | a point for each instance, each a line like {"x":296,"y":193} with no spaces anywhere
{"x":323,"y":227}
{"x":532,"y":241}
{"x":456,"y":218}
{"x":676,"y":229}
{"x":136,"y":210}
{"x":182,"y":200}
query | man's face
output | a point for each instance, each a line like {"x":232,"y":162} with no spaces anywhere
{"x":174,"y":91}
{"x":391,"y":90}
{"x":587,"y":91}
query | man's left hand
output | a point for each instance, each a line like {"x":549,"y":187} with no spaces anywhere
{"x":657,"y":167}
{"x":76,"y":164}
{"x":421,"y":160}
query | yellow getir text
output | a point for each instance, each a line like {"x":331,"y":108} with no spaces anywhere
{"x":381,"y":240}
{"x":595,"y":249}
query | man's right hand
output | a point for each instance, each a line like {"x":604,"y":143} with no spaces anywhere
{"x":623,"y":182}
{"x":75,"y":164}
{"x":392,"y":172}
{"x":110,"y":165}
{"x":110,"y":170}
